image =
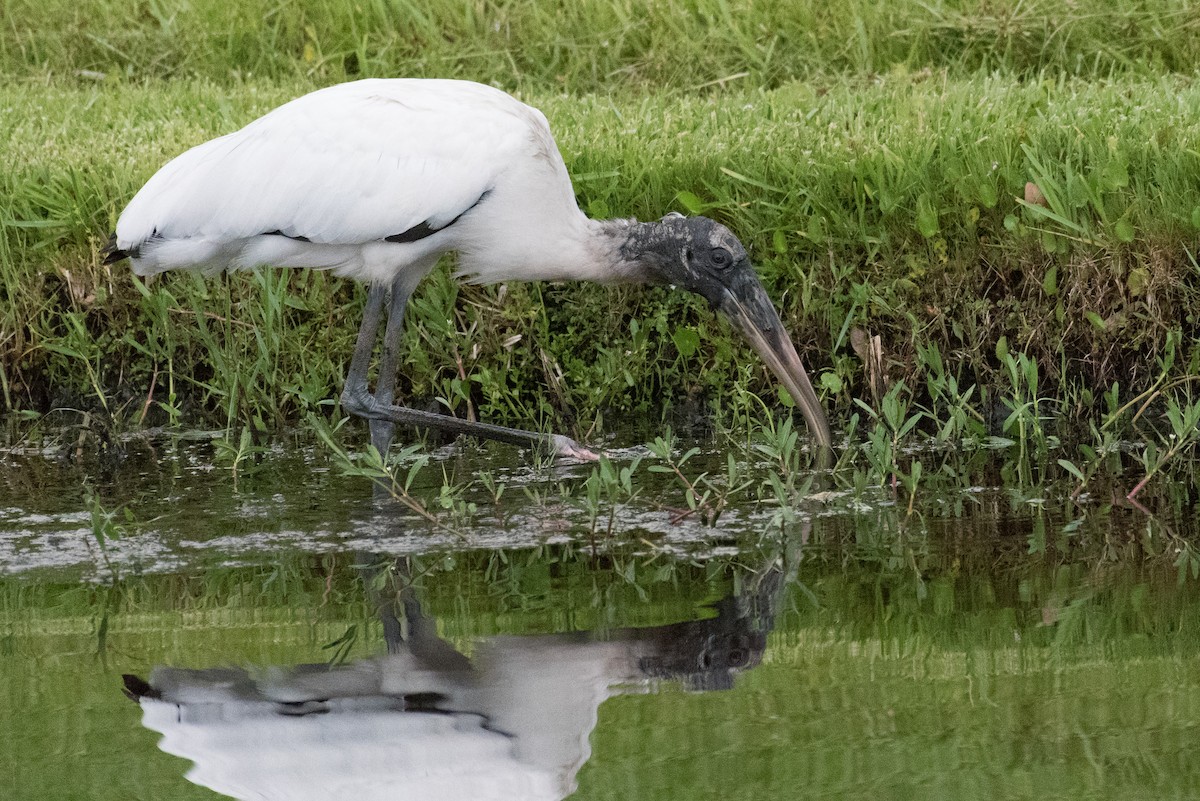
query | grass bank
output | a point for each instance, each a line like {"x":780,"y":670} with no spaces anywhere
{"x":592,"y":45}
{"x":891,"y":206}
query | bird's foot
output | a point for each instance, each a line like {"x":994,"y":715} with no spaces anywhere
{"x":569,"y":448}
{"x":382,"y":418}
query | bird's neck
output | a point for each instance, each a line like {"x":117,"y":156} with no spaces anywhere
{"x":618,"y":249}
{"x":573,"y":249}
{"x":554,"y":248}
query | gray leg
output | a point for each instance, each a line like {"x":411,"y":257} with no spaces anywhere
{"x":385,"y":385}
{"x":417,"y":632}
{"x":356,"y":379}
{"x":379,"y":410}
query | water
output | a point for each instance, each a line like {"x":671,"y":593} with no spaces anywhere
{"x":290,"y":636}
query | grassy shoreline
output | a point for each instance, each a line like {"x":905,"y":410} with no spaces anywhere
{"x":891,"y":206}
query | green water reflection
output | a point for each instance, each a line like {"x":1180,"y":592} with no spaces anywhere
{"x":1051,"y":683}
{"x":991,"y":645}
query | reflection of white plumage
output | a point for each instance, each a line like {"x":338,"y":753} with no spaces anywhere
{"x":375,"y":180}
{"x":424,"y":721}
{"x":517,"y":728}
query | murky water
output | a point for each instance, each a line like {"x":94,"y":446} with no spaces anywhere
{"x":172,"y":629}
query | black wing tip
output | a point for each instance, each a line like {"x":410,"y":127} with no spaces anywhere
{"x":111,"y":253}
{"x":423,"y":229}
{"x":296,"y":237}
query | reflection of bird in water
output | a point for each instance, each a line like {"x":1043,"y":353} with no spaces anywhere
{"x":425,"y":721}
{"x":375,"y":180}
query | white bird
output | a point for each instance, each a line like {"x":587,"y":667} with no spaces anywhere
{"x":376,"y":179}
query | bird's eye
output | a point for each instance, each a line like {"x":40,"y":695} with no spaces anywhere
{"x":721,"y":258}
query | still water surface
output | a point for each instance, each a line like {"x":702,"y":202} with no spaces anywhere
{"x":171,"y":630}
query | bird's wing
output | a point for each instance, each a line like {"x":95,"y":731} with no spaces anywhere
{"x":346,"y":165}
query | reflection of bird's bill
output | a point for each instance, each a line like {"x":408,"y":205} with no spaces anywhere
{"x":764,"y":330}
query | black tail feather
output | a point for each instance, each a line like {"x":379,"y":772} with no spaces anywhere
{"x":111,"y":253}
{"x":137,"y":688}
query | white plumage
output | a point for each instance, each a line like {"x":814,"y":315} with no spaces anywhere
{"x":348,"y":166}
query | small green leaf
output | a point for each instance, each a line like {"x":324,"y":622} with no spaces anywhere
{"x":686,"y":340}
{"x":816,"y":230}
{"x":1138,"y":278}
{"x":779,"y":240}
{"x":1116,"y":176}
{"x":1049,"y":242}
{"x":927,"y":217}
{"x":1071,"y":468}
{"x":1096,"y":320}
{"x":829,"y":381}
{"x":690,"y":202}
{"x":1124,"y":230}
{"x":1050,"y":282}
{"x":598,"y":208}
{"x":1002,"y":349}
{"x":986,"y":191}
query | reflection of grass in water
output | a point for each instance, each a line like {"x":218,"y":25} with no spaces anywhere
{"x":956,"y":676}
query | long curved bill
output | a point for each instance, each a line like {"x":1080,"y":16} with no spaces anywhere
{"x":750,"y":310}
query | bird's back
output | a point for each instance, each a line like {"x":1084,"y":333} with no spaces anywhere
{"x":363,"y":178}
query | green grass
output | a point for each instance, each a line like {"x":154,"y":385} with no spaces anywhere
{"x":891,"y":205}
{"x":875,"y":156}
{"x":593,"y":45}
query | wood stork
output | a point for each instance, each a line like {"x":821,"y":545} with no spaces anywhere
{"x":376,"y":179}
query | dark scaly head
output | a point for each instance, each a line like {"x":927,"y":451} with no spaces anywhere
{"x":704,"y":257}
